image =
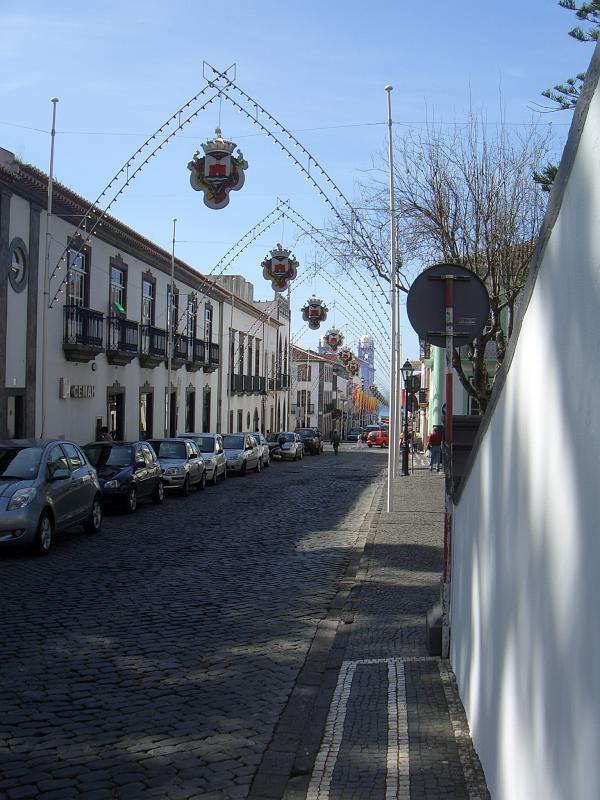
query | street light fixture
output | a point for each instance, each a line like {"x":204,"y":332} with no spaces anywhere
{"x":407,"y":373}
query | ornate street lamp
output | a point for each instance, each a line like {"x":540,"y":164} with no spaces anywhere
{"x":407,"y":373}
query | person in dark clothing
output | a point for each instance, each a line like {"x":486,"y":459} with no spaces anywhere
{"x":434,"y":445}
{"x":335,"y":440}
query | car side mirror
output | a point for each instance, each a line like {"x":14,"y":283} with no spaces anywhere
{"x":140,"y":464}
{"x":59,"y":474}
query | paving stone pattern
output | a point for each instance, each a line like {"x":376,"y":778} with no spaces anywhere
{"x":154,"y":659}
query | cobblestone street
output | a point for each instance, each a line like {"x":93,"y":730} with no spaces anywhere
{"x":156,"y":658}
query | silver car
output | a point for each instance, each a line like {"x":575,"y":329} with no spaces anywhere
{"x":212,"y":452}
{"x":290,"y":446}
{"x":264,"y":447}
{"x":242,"y":452}
{"x":45,"y":486}
{"x":181,"y":463}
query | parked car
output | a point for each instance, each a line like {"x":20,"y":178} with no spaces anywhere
{"x":127,"y":472}
{"x":311,"y":439}
{"x":242,"y":452}
{"x":367,"y":430}
{"x":45,"y":487}
{"x":212,"y":453}
{"x":379,"y":438}
{"x":291,"y":447}
{"x":261,"y":441}
{"x":354,"y":434}
{"x":181,"y":463}
{"x":274,"y":446}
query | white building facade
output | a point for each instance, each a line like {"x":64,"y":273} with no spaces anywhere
{"x":90,"y":347}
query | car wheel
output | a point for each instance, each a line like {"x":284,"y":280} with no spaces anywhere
{"x":243,"y":469}
{"x":202,"y":482}
{"x":301,"y":455}
{"x":44,"y":534}
{"x":369,"y":444}
{"x":259,"y":464}
{"x":224,"y":475}
{"x":215,"y":477}
{"x":158,"y":495}
{"x":94,"y":521}
{"x":185,"y":489}
{"x":131,"y":500}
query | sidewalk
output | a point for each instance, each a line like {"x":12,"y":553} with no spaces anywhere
{"x":385,"y":718}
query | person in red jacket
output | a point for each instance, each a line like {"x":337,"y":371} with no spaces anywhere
{"x":434,"y":445}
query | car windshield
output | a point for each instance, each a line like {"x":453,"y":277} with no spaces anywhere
{"x":101,"y":455}
{"x":20,"y":462}
{"x":307,"y":432}
{"x":166,"y":449}
{"x":233,"y":442}
{"x":206,"y":444}
{"x":286,"y":437}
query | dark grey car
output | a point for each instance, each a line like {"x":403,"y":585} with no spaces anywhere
{"x":45,"y":486}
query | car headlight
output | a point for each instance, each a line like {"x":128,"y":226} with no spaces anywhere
{"x":21,"y":498}
{"x":209,"y":462}
{"x":112,"y":485}
{"x":175,"y":471}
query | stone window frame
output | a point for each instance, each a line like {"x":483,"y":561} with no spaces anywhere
{"x":148,"y":277}
{"x":118,"y":263}
{"x":18,"y":245}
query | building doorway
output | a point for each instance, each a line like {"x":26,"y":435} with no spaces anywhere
{"x":206,"y":410}
{"x":146,"y":415}
{"x":116,"y":413}
{"x":190,"y":411}
{"x":15,"y":416}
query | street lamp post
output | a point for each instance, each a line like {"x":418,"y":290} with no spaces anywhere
{"x":407,"y":373}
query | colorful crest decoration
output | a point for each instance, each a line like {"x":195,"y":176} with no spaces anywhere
{"x":345,"y":355}
{"x":333,"y":340}
{"x":280,"y":268}
{"x":314,"y":312}
{"x":217,"y":172}
{"x":353,"y":367}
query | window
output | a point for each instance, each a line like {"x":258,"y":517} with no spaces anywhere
{"x":231,"y":422}
{"x":192,"y":317}
{"x":148,"y":455}
{"x":77,"y":269}
{"x":240,"y":420}
{"x":304,"y":372}
{"x":249,"y":355}
{"x":147,"y":302}
{"x":173,"y":305}
{"x":17,"y":274}
{"x":117,"y":290}
{"x":76,"y":458}
{"x":208,"y":323}
{"x":57,"y":460}
{"x":231,"y":352}
{"x":257,"y":358}
{"x":241,"y":355}
{"x":303,"y":399}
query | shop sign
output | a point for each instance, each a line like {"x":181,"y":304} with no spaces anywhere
{"x":83,"y":391}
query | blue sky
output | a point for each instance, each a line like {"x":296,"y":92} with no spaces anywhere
{"x":121,"y":69}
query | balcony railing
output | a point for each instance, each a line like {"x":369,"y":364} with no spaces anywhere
{"x":237,"y":384}
{"x":271,"y":385}
{"x":180,"y":347}
{"x":302,"y":409}
{"x":123,"y":342}
{"x":82,"y":339}
{"x":153,"y":345}
{"x":248,"y":384}
{"x":213,"y":353}
{"x":198,"y":351}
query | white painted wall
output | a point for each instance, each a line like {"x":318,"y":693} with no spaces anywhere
{"x":526,"y":542}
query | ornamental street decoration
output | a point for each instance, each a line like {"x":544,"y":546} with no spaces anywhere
{"x":364,"y":402}
{"x":377,"y":394}
{"x":314,"y":312}
{"x":217,"y":172}
{"x":346,"y":355}
{"x":333,"y":340}
{"x":280,"y":268}
{"x":353,"y":367}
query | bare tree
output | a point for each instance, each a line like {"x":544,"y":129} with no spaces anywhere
{"x":467,"y":196}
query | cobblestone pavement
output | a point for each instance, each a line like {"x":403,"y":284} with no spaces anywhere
{"x":155,"y":659}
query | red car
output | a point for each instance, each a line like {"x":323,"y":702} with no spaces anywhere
{"x":378,"y":438}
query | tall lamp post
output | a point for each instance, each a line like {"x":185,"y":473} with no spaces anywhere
{"x":407,"y":373}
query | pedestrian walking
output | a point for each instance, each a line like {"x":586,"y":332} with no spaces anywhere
{"x":434,"y":445}
{"x":335,"y":440}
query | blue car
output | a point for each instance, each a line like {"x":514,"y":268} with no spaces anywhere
{"x":127,"y":472}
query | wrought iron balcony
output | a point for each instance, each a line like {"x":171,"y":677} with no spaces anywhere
{"x":197,"y":354}
{"x":237,"y":384}
{"x":213,"y":354}
{"x":123,"y":340}
{"x":179,"y":353}
{"x":153,"y":346}
{"x":83,"y":329}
